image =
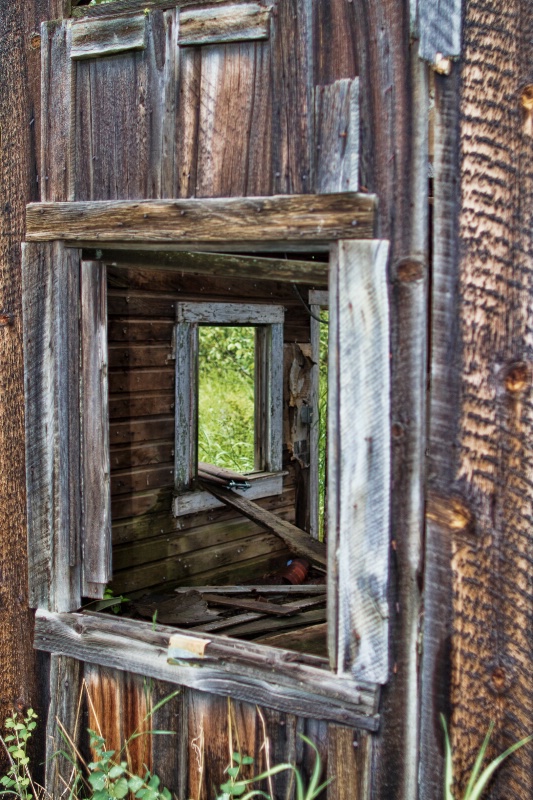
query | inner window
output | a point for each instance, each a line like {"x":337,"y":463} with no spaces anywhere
{"x":226,"y":402}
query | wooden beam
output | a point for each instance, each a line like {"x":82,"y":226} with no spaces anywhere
{"x":297,"y":540}
{"x":106,"y":37}
{"x":218,"y":264}
{"x":226,"y":23}
{"x":254,"y":673}
{"x":283,"y":218}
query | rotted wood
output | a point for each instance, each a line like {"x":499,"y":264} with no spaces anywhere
{"x":108,"y":36}
{"x":225,"y":23}
{"x":219,"y":264}
{"x":96,"y":505}
{"x":51,"y":292}
{"x":296,"y":217}
{"x":136,"y":647}
{"x":297,"y":540}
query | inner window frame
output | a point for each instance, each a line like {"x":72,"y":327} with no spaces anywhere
{"x":268,"y":389}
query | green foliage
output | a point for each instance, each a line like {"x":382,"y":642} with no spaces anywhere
{"x":17,"y":782}
{"x":226,"y":397}
{"x":322,"y":422}
{"x":478,"y":780}
{"x":237,"y":788}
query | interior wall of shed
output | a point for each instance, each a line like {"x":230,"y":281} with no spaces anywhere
{"x":152,"y":549}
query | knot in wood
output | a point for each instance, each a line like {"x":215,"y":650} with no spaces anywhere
{"x":410,"y":269}
{"x":6,"y":318}
{"x":526,"y":98}
{"x":517,"y":377}
{"x":499,"y":680}
{"x":35,"y":41}
{"x":397,"y":430}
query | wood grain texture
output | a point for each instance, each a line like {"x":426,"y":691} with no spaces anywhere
{"x":292,"y":109}
{"x":96,"y":505}
{"x":139,"y":649}
{"x":225,"y":23}
{"x":223,"y":265}
{"x":297,"y":540}
{"x":491,"y":530}
{"x":362,"y":490}
{"x":107,"y":37}
{"x":51,"y":337}
{"x":65,"y":688}
{"x":121,"y":7}
{"x":439,"y":28}
{"x":298,"y":217}
{"x":229,"y":314}
{"x":337,"y":136}
{"x":56,"y":93}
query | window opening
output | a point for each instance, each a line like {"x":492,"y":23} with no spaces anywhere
{"x":226,"y":402}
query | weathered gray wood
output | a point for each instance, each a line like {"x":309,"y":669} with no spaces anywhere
{"x":186,"y":414}
{"x":56,"y":100}
{"x":51,"y":342}
{"x":225,"y":23}
{"x":362,"y":494}
{"x":250,"y":604}
{"x":96,"y":506}
{"x":262,"y":485}
{"x":318,"y":300}
{"x":105,"y":37}
{"x":135,"y":647}
{"x":64,"y":717}
{"x":333,"y":461}
{"x":439,"y":28}
{"x":297,"y":540}
{"x":121,"y":7}
{"x":296,"y":217}
{"x":337,"y":136}
{"x":229,"y":314}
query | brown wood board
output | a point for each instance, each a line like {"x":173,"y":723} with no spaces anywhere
{"x":297,"y":540}
{"x":296,"y":217}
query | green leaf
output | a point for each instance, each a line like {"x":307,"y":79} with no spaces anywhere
{"x":489,"y":771}
{"x":116,"y":771}
{"x":121,"y":788}
{"x":233,"y":771}
{"x":247,"y":760}
{"x":237,"y":758}
{"x":479,"y":762}
{"x":448,"y":776}
{"x":97,"y":780}
{"x":135,"y":783}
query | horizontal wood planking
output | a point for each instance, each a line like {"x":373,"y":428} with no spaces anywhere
{"x":297,"y":217}
{"x":225,"y":23}
{"x":108,"y":37}
{"x":121,"y":7}
{"x":229,"y":313}
{"x":137,"y":648}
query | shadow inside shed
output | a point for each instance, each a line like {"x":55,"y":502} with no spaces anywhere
{"x":242,"y":563}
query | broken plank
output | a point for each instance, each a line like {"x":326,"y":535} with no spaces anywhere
{"x":251,"y":605}
{"x":266,"y":624}
{"x":290,"y":218}
{"x":257,"y":589}
{"x":311,"y":639}
{"x":297,"y":540}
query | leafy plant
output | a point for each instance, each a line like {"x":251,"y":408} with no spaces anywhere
{"x":478,"y":780}
{"x":18,"y":782}
{"x":237,"y":788}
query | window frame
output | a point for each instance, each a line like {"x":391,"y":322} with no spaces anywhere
{"x":358,"y":448}
{"x":266,"y":480}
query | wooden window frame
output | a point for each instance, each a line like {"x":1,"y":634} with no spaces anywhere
{"x":64,"y":244}
{"x":267,"y":477}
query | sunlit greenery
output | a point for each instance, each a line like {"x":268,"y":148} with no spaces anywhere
{"x":322,"y":424}
{"x":226,"y":397}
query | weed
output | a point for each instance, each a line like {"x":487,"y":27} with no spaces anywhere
{"x":478,"y":780}
{"x":18,"y":781}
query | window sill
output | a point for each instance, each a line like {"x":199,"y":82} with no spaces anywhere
{"x":263,"y":484}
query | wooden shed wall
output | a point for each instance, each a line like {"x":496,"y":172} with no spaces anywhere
{"x":237,"y":120}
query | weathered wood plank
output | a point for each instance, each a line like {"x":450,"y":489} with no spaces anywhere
{"x":318,"y":300}
{"x":56,"y":95}
{"x":96,"y":508}
{"x":51,"y":341}
{"x":186,"y":415}
{"x":262,"y":485}
{"x":297,"y":540}
{"x":362,"y":494}
{"x":64,"y":716}
{"x":296,"y":217}
{"x":121,"y":7}
{"x":439,"y":28}
{"x":105,"y":37}
{"x":137,"y":648}
{"x":292,"y":88}
{"x":225,"y":23}
{"x":337,"y":136}
{"x":259,"y":589}
{"x":229,"y":314}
